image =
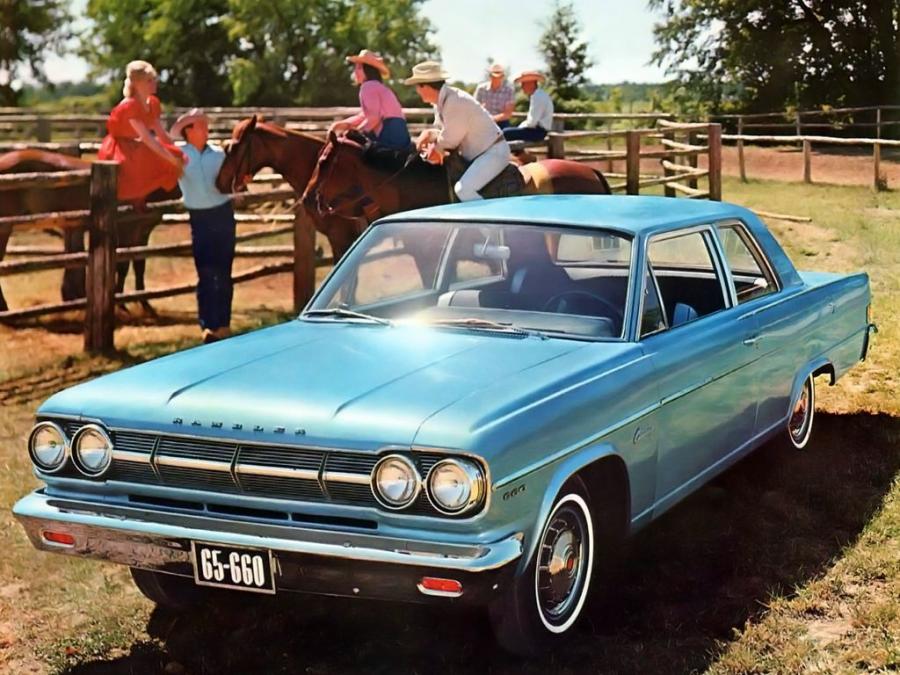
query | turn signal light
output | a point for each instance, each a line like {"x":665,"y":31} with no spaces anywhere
{"x":438,"y":586}
{"x":59,"y":538}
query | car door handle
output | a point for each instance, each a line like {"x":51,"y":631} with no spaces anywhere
{"x":752,"y":340}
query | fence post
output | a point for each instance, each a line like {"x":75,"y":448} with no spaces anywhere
{"x":879,"y":183}
{"x":556,"y":146}
{"x":609,"y":146}
{"x":668,"y":190}
{"x":632,"y":162}
{"x":304,"y":258}
{"x":714,"y":138}
{"x":742,"y":167}
{"x":99,"y":320}
{"x":807,"y":161}
{"x":43,"y":129}
{"x":797,"y":124}
{"x":693,"y":161}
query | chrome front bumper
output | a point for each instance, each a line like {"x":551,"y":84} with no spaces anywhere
{"x":161,"y":540}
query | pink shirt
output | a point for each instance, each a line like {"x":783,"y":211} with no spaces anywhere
{"x":378,"y":102}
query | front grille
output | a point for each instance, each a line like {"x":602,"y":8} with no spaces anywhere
{"x":270,"y":471}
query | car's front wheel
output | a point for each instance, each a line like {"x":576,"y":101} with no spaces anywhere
{"x":168,"y":590}
{"x":545,"y":601}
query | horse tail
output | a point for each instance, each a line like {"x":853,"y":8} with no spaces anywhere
{"x":603,"y":182}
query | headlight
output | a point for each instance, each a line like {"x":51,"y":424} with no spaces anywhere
{"x":395,"y":481}
{"x":47,"y":447}
{"x":455,"y":485}
{"x":92,"y":450}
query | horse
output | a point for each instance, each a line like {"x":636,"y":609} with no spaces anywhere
{"x":73,"y":197}
{"x":344,"y":185}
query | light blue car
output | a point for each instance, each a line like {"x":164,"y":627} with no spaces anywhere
{"x":479,"y":404}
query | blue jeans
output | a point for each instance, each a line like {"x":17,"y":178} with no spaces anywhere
{"x":394,"y":133}
{"x":212,"y":241}
{"x":525,"y":133}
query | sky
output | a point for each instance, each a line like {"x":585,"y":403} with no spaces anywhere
{"x":619,"y":34}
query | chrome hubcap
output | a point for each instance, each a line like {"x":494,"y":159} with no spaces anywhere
{"x":800,"y":415}
{"x":561,"y":567}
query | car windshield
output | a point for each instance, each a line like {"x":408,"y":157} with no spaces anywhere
{"x":517,"y":279}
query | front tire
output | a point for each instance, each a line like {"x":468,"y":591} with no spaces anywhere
{"x":169,"y":591}
{"x":545,"y":601}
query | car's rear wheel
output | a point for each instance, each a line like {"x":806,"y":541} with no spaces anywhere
{"x":800,"y":423}
{"x":544,"y":602}
{"x":168,"y":590}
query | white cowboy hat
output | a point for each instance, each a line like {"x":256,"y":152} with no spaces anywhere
{"x":188,"y":118}
{"x":496,"y":70}
{"x":372,"y":59}
{"x":427,"y":71}
{"x":532,"y":75}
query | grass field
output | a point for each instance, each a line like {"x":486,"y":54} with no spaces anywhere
{"x":787,"y":563}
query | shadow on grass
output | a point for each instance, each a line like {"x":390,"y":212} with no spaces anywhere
{"x":770,"y":524}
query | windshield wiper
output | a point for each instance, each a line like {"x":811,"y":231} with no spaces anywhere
{"x":485,"y":324}
{"x":345,"y":313}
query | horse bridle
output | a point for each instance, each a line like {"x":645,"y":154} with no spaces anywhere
{"x":245,"y":160}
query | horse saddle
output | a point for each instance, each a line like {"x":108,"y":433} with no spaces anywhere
{"x":380,"y":156}
{"x":508,"y":183}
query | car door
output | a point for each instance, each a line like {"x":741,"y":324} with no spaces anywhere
{"x":707,"y":393}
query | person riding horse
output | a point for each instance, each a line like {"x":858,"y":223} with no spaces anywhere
{"x":462,"y":125}
{"x":381,"y":116}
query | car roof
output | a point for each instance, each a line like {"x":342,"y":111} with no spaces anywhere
{"x":628,"y":214}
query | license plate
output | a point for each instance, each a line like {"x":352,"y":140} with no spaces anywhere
{"x":245,"y":569}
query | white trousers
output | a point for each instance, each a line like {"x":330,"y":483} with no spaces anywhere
{"x":480,"y":172}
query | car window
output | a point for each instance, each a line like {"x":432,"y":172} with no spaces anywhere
{"x":689,"y":281}
{"x":653,"y":318}
{"x":752,"y":276}
{"x":601,"y":248}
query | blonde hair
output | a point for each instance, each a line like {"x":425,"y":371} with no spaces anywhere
{"x":136,"y":70}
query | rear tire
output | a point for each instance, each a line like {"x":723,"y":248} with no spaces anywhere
{"x":545,"y":601}
{"x":800,"y":422}
{"x":169,"y":591}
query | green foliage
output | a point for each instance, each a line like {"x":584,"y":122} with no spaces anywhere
{"x":565,"y":53}
{"x":763,"y":55}
{"x":28,"y":30}
{"x":269,"y":52}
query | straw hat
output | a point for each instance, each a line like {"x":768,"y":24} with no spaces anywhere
{"x":496,"y":70}
{"x":427,"y":71}
{"x":530,"y":75}
{"x":188,"y":118}
{"x":370,"y":59}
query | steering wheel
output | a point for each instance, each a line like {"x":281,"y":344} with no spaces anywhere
{"x":556,"y":302}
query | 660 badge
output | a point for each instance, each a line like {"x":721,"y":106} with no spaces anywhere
{"x":245,"y":569}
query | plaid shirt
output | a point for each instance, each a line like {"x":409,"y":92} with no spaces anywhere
{"x":495,"y":100}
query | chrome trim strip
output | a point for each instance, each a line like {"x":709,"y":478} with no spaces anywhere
{"x":134,"y":535}
{"x":347,"y":477}
{"x":134,"y":457}
{"x":275,"y":471}
{"x":190,"y":463}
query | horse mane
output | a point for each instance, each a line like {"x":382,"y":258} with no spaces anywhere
{"x":30,"y":159}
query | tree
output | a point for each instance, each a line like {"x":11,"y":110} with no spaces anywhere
{"x":565,"y":53}
{"x":185,"y":40}
{"x":28,"y":31}
{"x":762,"y":55}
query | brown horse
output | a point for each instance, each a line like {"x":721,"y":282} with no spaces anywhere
{"x":75,"y":197}
{"x":345,"y":186}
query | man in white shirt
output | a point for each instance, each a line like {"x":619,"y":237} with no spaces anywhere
{"x":212,"y":224}
{"x":463,"y":125}
{"x":540,"y":110}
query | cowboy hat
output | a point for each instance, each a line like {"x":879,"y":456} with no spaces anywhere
{"x":188,"y":118}
{"x":527,"y":75}
{"x":369,"y":58}
{"x":496,"y":70}
{"x":427,"y":71}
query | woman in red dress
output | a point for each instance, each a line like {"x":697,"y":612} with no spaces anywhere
{"x":147,"y":156}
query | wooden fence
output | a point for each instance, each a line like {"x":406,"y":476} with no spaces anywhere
{"x":102,"y":220}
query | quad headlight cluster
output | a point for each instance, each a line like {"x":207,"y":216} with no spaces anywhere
{"x":90,"y":450}
{"x":453,"y":486}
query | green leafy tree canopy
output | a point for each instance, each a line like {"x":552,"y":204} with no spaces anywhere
{"x":760,"y":55}
{"x":29,"y":29}
{"x":565,"y":53}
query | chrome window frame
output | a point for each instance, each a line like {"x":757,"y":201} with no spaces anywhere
{"x":662,"y":304}
{"x":756,"y":251}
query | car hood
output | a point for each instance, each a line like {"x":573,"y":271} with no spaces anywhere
{"x":347,"y":383}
